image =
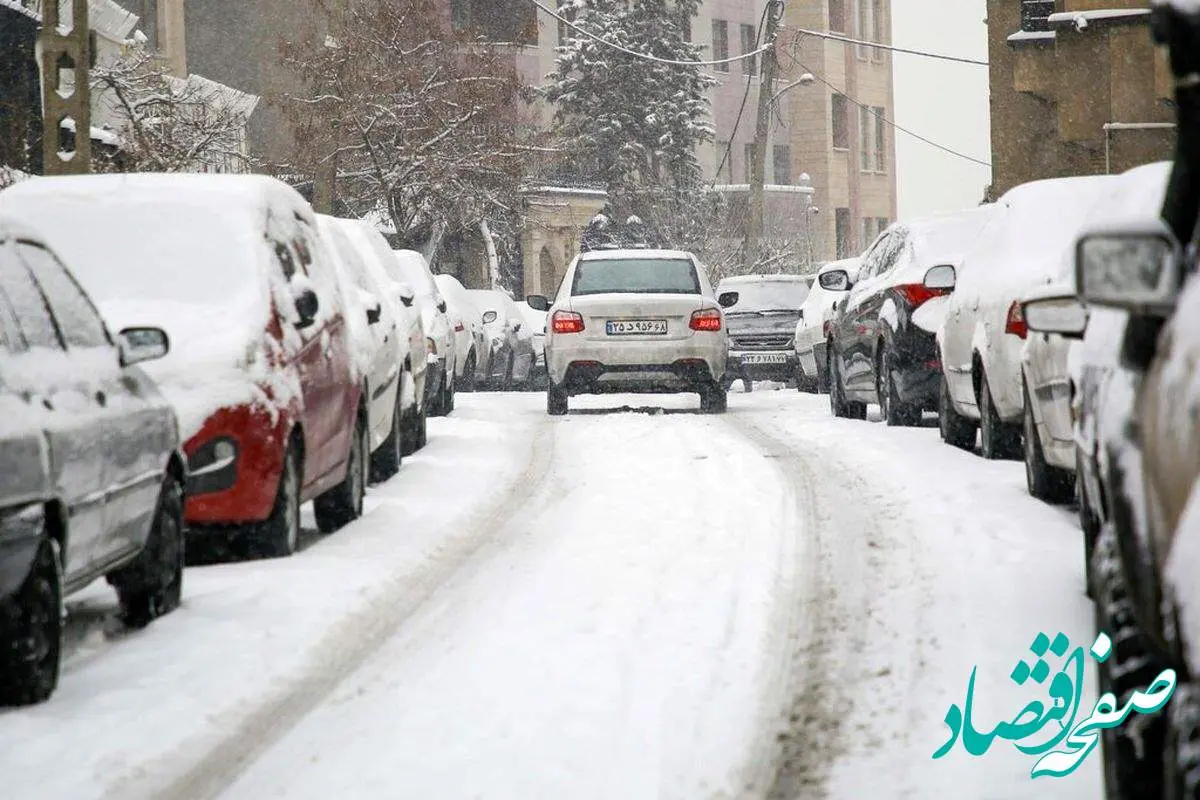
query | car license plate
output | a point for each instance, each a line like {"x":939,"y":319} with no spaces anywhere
{"x":636,"y":327}
{"x":765,"y":358}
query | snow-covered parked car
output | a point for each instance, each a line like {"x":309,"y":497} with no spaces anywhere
{"x":379,"y":348}
{"x":91,"y":472}
{"x":981,"y":339}
{"x":535,"y":323}
{"x":635,"y":321}
{"x":881,"y":346}
{"x":270,"y":406}
{"x":811,"y":331}
{"x":471,"y":341}
{"x":410,"y":267}
{"x":400,"y":298}
{"x":509,"y":339}
{"x":1049,"y":436}
{"x":761,"y":312}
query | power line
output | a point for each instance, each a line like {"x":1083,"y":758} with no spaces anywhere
{"x":877,"y":115}
{"x":647,"y":56}
{"x":877,"y":45}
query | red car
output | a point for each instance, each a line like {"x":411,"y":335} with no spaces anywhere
{"x":271,"y":409}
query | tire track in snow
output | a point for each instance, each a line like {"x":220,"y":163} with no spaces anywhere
{"x":837,"y":580}
{"x":354,"y":640}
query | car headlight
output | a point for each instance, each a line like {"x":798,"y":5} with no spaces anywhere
{"x":213,"y":466}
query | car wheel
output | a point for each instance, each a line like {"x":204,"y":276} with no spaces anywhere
{"x":1045,"y":482}
{"x":437,"y":404}
{"x":804,"y":383}
{"x":837,"y":401}
{"x":557,"y":402}
{"x":343,"y":503}
{"x":506,"y":384}
{"x":1130,"y":771}
{"x":153,"y":584}
{"x":896,"y":413}
{"x":29,"y":655}
{"x":422,"y":429}
{"x":385,"y":462}
{"x":998,"y":439}
{"x":279,"y":536}
{"x":956,"y":430}
{"x":1089,"y":523}
{"x":467,"y":382}
{"x":714,"y":399}
{"x":448,"y":397}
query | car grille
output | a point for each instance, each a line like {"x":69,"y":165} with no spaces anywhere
{"x":763,"y":341}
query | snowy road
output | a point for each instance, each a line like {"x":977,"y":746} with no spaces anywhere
{"x":611,"y":605}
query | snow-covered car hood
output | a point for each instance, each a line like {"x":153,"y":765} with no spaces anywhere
{"x":740,"y":324}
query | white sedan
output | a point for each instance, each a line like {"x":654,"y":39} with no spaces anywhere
{"x":635,"y":321}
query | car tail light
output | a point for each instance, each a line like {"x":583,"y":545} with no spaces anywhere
{"x":1015,"y":324}
{"x":459,"y":328}
{"x":706,"y":319}
{"x":567,"y":322}
{"x":917,"y":294}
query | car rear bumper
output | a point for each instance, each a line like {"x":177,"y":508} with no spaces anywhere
{"x":917,"y":368}
{"x":640,"y":362}
{"x":593,"y":377}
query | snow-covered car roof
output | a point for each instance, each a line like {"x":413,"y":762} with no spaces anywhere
{"x":1135,"y":203}
{"x":944,"y":238}
{"x":609,"y":255}
{"x":734,"y":280}
{"x":851,"y":265}
{"x":14,"y":229}
{"x":1032,"y":227}
{"x":415,"y":270}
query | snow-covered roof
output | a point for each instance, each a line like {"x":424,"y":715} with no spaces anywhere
{"x":104,"y":16}
{"x":98,"y":134}
{"x":607,"y":255}
{"x":566,"y":190}
{"x":1032,"y":36}
{"x":17,"y":6}
{"x":220,"y":96}
{"x":774,"y":188}
{"x":1081,"y":19}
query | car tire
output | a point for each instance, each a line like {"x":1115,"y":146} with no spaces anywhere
{"x":1046,"y":483}
{"x":343,"y":504}
{"x":999,"y":441}
{"x":448,"y":398}
{"x":804,"y":383}
{"x":467,"y":382}
{"x":422,"y":429}
{"x":385,"y":462}
{"x":153,"y":584}
{"x":279,"y":535}
{"x":896,"y":413}
{"x":506,"y":384}
{"x":557,"y":400}
{"x":437,"y":403}
{"x":1089,"y":523}
{"x":1130,"y":667}
{"x":714,"y":399}
{"x":837,"y":400}
{"x":29,"y":674}
{"x":955,"y":429}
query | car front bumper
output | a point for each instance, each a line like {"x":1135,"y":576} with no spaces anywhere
{"x":782,"y":368}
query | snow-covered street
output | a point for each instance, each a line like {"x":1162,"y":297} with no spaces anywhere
{"x":633,"y":601}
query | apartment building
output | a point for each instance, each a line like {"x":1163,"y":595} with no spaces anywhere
{"x":1077,"y":88}
{"x":838,"y":123}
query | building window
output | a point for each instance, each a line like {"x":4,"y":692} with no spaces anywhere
{"x":880,"y":141}
{"x":749,"y":45}
{"x":879,"y":17}
{"x":866,"y":26}
{"x":720,"y":43}
{"x":867,"y":233}
{"x":1035,"y":14}
{"x":781,"y":163}
{"x":837,"y":16}
{"x":749,"y":151}
{"x":841,"y":226}
{"x":872,"y":141}
{"x":840,"y":111}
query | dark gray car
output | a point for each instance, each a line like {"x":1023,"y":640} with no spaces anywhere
{"x":92,"y":476}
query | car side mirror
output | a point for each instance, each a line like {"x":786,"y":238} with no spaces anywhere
{"x":441,"y":306}
{"x":1064,"y":315}
{"x":137,"y":345}
{"x":943,"y":276}
{"x":538,"y":302}
{"x":836,"y":280}
{"x":307,"y":306}
{"x":489,"y":317}
{"x":406,"y":294}
{"x":1139,"y":270}
{"x":374,"y":314}
{"x":728,"y":299}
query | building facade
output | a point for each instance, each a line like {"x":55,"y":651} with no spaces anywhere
{"x":1077,"y":88}
{"x":838,"y":121}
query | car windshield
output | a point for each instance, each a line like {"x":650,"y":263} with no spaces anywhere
{"x":765,"y":296}
{"x":635,"y":276}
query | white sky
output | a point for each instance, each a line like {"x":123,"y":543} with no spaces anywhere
{"x":942,"y":101}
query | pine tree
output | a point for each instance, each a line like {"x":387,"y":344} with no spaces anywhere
{"x":633,"y":123}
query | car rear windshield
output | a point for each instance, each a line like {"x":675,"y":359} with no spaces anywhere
{"x":767,"y":296}
{"x":636,"y":275}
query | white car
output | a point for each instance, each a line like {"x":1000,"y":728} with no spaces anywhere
{"x":510,"y":342}
{"x":409,"y":266}
{"x":377,"y":257}
{"x":470,"y":340}
{"x":981,"y":339}
{"x":635,"y":321}
{"x":1047,"y":358}
{"x":810,"y":338}
{"x":535,"y":323}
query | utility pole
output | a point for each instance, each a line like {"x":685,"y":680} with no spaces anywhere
{"x":325,"y":181}
{"x":66,"y":54}
{"x":766,"y":85}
